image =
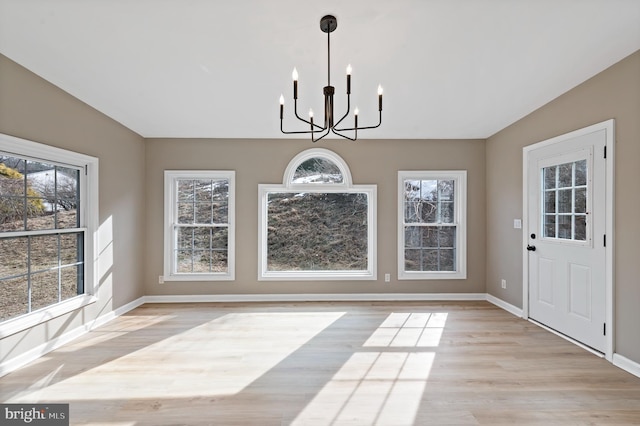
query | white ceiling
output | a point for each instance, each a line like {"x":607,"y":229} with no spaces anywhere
{"x":216,"y":68}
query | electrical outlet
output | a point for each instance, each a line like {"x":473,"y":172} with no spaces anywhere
{"x":160,"y":279}
{"x":387,"y":278}
{"x":504,"y":283}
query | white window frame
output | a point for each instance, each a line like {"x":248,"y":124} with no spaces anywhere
{"x":345,"y":187}
{"x":89,"y":223}
{"x":460,"y":215}
{"x":170,"y":214}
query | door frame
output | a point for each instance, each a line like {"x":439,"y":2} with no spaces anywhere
{"x":609,"y":127}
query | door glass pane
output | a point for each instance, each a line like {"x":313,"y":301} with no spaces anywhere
{"x":564,"y":227}
{"x":550,"y":201}
{"x":550,"y":226}
{"x":580,"y":228}
{"x":581,"y":172}
{"x":550,"y":177}
{"x":580,"y":205}
{"x":565,"y":175}
{"x":564,"y":208}
{"x":564,"y":201}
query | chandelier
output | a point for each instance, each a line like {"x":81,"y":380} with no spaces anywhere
{"x":328,"y":24}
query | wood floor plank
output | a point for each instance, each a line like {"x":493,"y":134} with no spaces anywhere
{"x":382,"y":363}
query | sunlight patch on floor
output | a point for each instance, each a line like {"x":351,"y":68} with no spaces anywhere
{"x":409,"y":330}
{"x":205,"y":367}
{"x":374,"y":388}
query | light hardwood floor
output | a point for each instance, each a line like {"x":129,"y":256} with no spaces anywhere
{"x":326,"y":364}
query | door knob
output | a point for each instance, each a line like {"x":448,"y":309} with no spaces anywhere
{"x":531,"y":248}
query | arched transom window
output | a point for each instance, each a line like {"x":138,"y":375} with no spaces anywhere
{"x":317,"y":224}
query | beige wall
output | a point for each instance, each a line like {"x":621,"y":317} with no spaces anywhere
{"x":614,"y":93}
{"x":264,"y":161}
{"x":33,"y":109}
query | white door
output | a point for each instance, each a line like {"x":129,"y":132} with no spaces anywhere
{"x":566,"y":237}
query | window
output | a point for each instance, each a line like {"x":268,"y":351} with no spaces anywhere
{"x":199,"y":225}
{"x":48,"y":215}
{"x":432,"y":225}
{"x":565,"y":201}
{"x":317,"y":224}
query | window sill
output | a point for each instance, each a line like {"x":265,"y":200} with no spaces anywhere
{"x":432,"y":275}
{"x":24,"y":322}
{"x":317,"y":276}
{"x":199,"y":277}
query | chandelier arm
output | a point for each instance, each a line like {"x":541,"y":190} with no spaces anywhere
{"x":363,"y":128}
{"x":314,"y":140}
{"x":345,"y":136}
{"x":294,"y":132}
{"x":295,"y":110}
{"x":345,"y":114}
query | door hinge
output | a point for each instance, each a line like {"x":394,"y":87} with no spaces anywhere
{"x":604,"y":240}
{"x":604,"y":328}
{"x":605,"y":151}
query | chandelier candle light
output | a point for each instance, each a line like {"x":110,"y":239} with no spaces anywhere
{"x":328,"y":24}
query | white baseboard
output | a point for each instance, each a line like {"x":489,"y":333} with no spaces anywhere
{"x":43,"y":349}
{"x":626,"y":364}
{"x":504,"y":305}
{"x":356,"y":297}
